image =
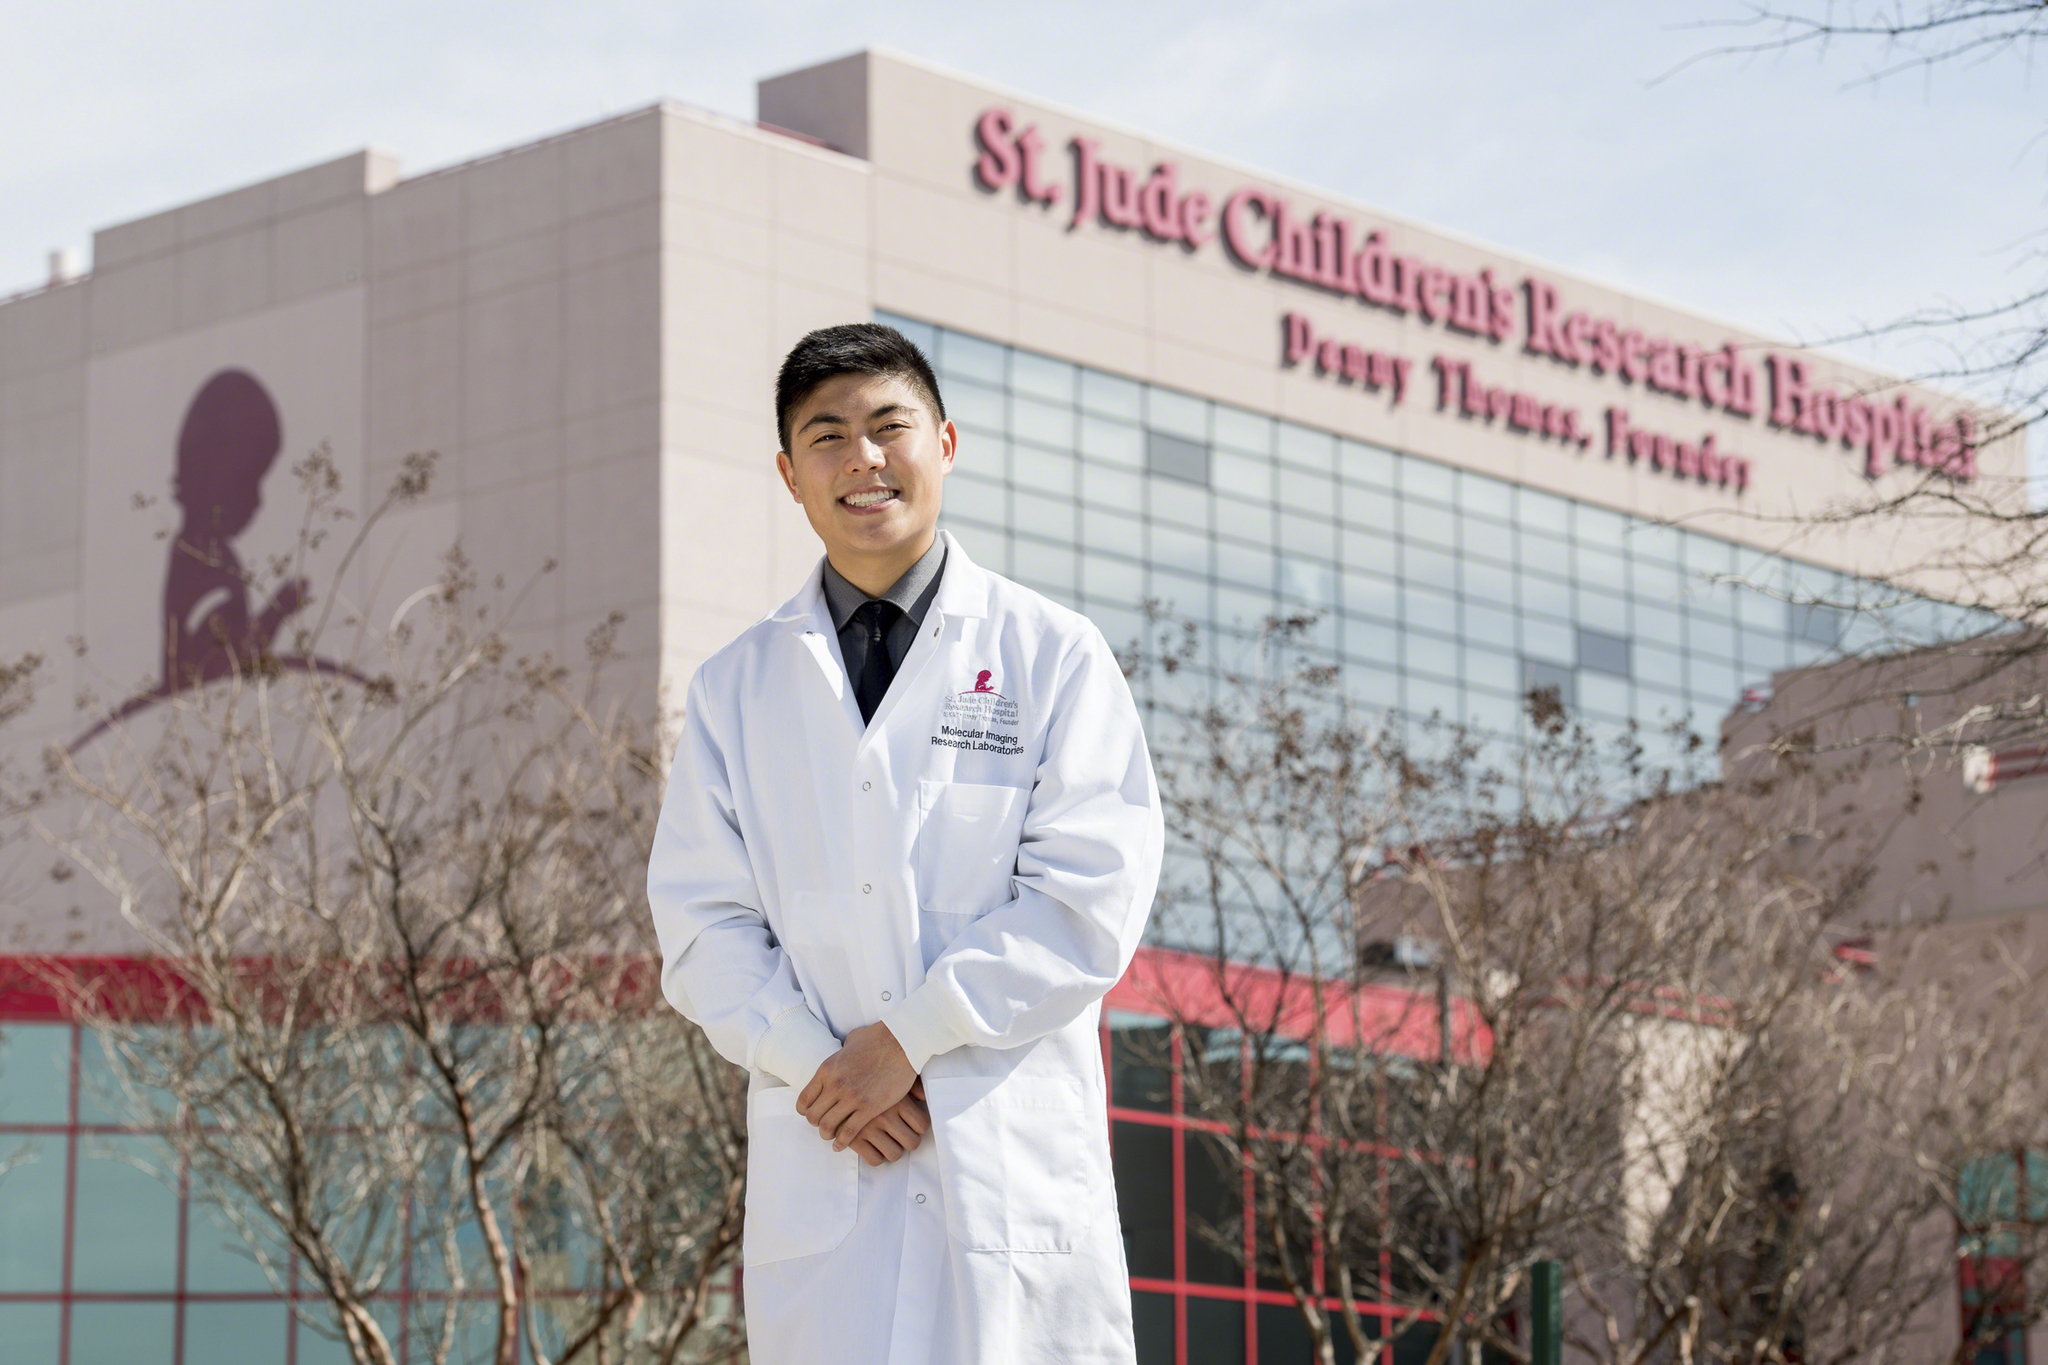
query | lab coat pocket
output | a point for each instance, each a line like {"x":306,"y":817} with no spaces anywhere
{"x":966,"y":849}
{"x":1013,"y":1161}
{"x":802,"y":1196}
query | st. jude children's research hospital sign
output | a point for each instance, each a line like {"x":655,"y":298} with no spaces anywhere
{"x":1328,"y":252}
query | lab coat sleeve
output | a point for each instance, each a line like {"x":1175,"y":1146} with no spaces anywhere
{"x":720,"y":966}
{"x":1087,"y":867}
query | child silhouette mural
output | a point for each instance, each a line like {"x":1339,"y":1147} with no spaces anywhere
{"x":227,"y":443}
{"x":230,"y":438}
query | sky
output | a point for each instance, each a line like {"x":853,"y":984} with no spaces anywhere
{"x":1782,"y":191}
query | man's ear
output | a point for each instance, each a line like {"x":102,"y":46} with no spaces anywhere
{"x":949,"y":441}
{"x":787,"y":470}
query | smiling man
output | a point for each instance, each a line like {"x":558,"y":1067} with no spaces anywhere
{"x":910,"y":840}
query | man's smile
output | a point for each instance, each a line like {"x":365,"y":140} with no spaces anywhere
{"x":869,"y":497}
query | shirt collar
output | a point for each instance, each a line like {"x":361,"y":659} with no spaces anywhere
{"x":912,"y":593}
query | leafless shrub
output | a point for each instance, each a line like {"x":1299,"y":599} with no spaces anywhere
{"x":402,"y":1021}
{"x":1469,"y":1007}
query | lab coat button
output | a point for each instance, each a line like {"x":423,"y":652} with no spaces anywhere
{"x":920,"y":1199}
{"x":865,"y":888}
{"x":885,"y":995}
{"x":866,"y":786}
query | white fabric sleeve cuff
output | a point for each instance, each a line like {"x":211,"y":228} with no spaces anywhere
{"x":922,"y":1026}
{"x":794,"y":1047}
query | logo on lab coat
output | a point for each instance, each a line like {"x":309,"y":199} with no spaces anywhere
{"x":981,"y":719}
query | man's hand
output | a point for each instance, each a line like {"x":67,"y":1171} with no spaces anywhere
{"x":896,"y":1132}
{"x":856,"y":1084}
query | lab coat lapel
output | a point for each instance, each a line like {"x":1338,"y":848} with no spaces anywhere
{"x":811,"y":619}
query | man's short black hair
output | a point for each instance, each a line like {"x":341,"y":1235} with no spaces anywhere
{"x":851,"y":348}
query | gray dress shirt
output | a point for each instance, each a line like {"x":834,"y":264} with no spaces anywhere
{"x":913,"y":593}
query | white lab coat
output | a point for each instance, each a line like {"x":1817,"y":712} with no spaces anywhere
{"x":974,"y":868}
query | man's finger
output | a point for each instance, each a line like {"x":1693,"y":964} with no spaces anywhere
{"x":916,"y":1115}
{"x":850,"y":1127}
{"x":898,"y":1128}
{"x":878,"y":1136}
{"x":835,"y":1118}
{"x":869,"y":1152}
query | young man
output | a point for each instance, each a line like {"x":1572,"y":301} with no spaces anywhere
{"x":910,"y":840}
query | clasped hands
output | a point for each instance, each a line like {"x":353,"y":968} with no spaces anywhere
{"x":867,"y":1097}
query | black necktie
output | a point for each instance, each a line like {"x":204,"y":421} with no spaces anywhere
{"x":874,"y":619}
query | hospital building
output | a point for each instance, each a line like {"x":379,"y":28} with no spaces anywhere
{"x":1176,"y":379}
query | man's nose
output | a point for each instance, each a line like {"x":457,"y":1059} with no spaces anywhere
{"x":867,"y":454}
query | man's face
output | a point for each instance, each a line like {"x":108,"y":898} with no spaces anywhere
{"x":867,"y":457}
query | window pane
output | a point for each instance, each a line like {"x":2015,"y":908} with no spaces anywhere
{"x":1603,"y":653}
{"x":1303,"y":446}
{"x":976,"y":499}
{"x":1241,"y":430}
{"x":127,"y":1218}
{"x":1542,"y":511}
{"x":1429,"y":654}
{"x":1172,"y":500}
{"x":1182,"y":595}
{"x":1413,"y":1346}
{"x":1044,"y":471}
{"x":1052,"y":518}
{"x":1246,"y":610}
{"x":1119,"y":489}
{"x":35,"y":1073}
{"x":1121,"y":535}
{"x":132,"y":1333}
{"x":1429,"y":568}
{"x":1711,"y":640}
{"x":969,"y":357}
{"x":1141,"y":1157}
{"x":217,"y":1260}
{"x":1364,"y":550}
{"x":1152,"y":1321}
{"x":1109,"y":394}
{"x":1551,"y":596}
{"x":1368,"y":507}
{"x":1241,"y":475}
{"x":1215,"y":1332}
{"x":1308,"y":535}
{"x":1428,"y":479}
{"x":922,"y":335}
{"x":1138,"y":1062}
{"x":30,"y":1331}
{"x":1117,"y":443}
{"x":235,"y":1333}
{"x":1482,"y":496}
{"x":1607,"y":695}
{"x":1049,"y":568}
{"x":1244,"y":520}
{"x":1244,"y":566}
{"x":1429,"y":525}
{"x":1367,"y":464}
{"x":32,"y":1216}
{"x":1176,"y":457}
{"x":1215,"y":1212}
{"x":1177,"y":413}
{"x":975,"y":405}
{"x":1115,"y":580}
{"x":1042,"y":376}
{"x":1044,"y":423}
{"x":1539,"y":676}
